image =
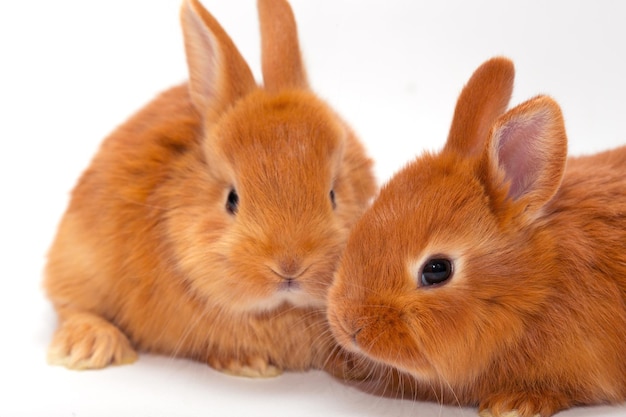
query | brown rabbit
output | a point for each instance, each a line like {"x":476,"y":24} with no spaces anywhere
{"x":494,"y":272}
{"x":210,"y":224}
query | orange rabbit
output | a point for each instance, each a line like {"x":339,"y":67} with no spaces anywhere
{"x":210,"y":224}
{"x":494,"y":272}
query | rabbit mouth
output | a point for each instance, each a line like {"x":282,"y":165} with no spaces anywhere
{"x":343,"y":332}
{"x":290,"y":282}
{"x":289,"y":285}
{"x":294,"y":290}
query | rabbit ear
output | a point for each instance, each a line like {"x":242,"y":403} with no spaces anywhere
{"x":528,"y":146}
{"x":484,"y":98}
{"x":281,"y":59}
{"x":218,"y":74}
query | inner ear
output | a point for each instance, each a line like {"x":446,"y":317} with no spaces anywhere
{"x":519,"y":153}
{"x":218,"y":74}
{"x":528,"y":145}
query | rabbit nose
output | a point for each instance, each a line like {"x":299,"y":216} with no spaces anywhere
{"x":353,"y":336}
{"x":289,"y":267}
{"x":348,"y":329}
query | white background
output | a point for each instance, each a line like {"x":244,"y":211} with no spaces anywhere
{"x":70,"y":71}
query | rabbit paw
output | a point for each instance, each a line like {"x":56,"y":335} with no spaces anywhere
{"x":250,"y":367}
{"x":86,"y":341}
{"x":513,"y":413}
{"x":522,"y":404}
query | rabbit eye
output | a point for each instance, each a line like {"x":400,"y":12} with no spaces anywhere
{"x":232,"y":201}
{"x":436,"y":271}
{"x":332,"y":198}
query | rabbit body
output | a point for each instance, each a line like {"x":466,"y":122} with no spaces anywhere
{"x":209,"y":225}
{"x":494,"y":272}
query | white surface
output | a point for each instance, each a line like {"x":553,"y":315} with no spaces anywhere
{"x":72,"y":70}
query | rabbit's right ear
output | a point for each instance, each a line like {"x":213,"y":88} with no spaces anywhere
{"x":218,"y":74}
{"x":485,"y":97}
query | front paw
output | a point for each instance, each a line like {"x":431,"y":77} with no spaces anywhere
{"x":512,"y":413}
{"x":523,"y":404}
{"x":86,"y":341}
{"x":252,"y":366}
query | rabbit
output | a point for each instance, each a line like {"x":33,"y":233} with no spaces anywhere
{"x":209,"y":225}
{"x":494,"y":271}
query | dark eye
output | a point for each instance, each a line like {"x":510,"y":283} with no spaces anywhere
{"x":436,"y":271}
{"x":232,"y":201}
{"x":332,"y":198}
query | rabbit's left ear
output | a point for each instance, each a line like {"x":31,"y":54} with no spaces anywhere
{"x":218,"y":74}
{"x":281,"y":58}
{"x":484,"y":98}
{"x":527,"y":152}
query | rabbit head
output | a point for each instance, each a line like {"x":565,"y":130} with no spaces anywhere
{"x":285,"y":177}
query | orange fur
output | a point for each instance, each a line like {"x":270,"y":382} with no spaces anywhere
{"x":147,"y":256}
{"x":533,"y":318}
